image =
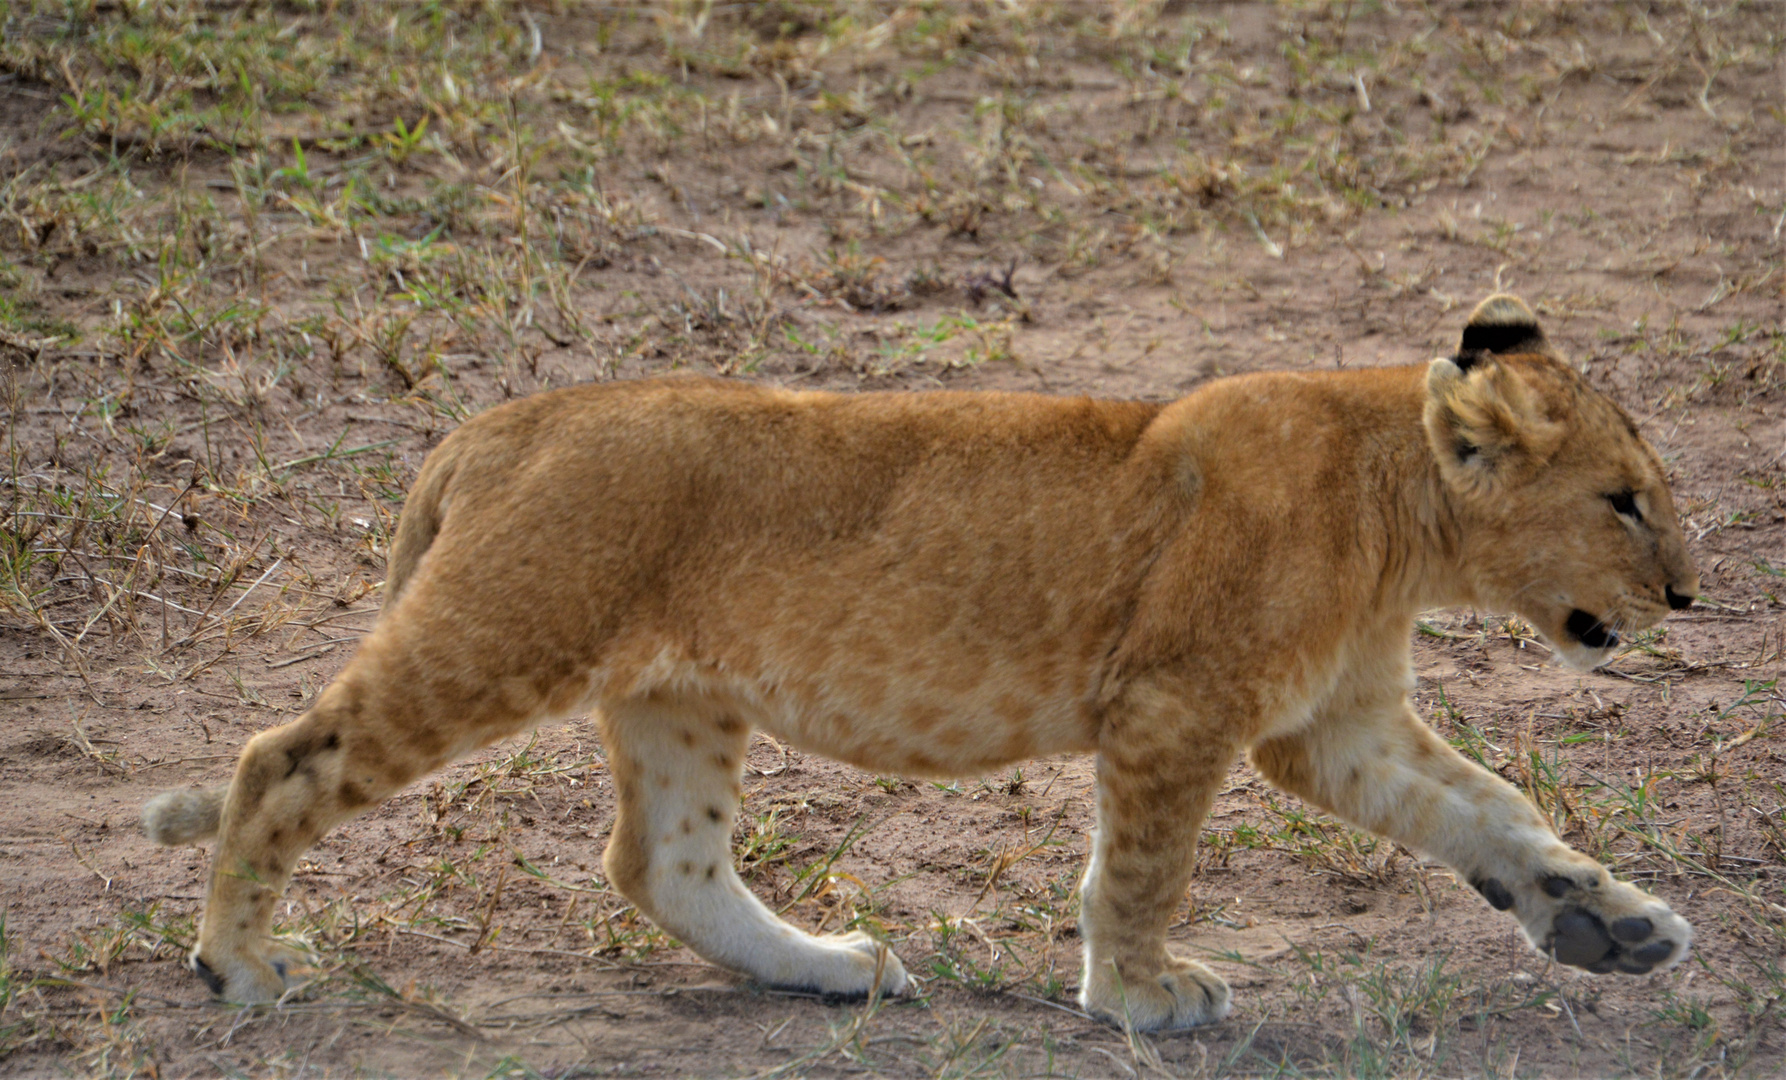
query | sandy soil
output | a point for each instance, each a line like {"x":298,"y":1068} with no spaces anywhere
{"x":1621,"y":166}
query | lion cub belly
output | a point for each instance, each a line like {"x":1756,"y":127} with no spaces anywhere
{"x":896,"y":727}
{"x":926,"y":736}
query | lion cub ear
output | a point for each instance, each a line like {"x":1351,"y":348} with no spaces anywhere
{"x":1499,"y":326}
{"x":1483,"y":422}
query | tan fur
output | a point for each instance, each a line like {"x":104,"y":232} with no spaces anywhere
{"x":940,"y":584}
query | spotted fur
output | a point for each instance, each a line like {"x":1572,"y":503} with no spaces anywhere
{"x":942,"y":584}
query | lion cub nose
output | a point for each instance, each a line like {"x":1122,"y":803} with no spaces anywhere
{"x":1676,"y":600}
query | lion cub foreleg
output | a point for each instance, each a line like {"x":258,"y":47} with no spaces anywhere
{"x":1388,"y":772}
{"x":677,"y":770}
{"x":1156,"y":782}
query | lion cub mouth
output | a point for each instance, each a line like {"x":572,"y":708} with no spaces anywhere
{"x":1590,"y":631}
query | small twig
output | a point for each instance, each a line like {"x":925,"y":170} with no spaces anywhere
{"x":713,"y":241}
{"x":423,"y":428}
{"x":1069,"y":1010}
{"x":331,"y":455}
{"x":132,"y":993}
{"x":82,"y":859}
{"x":1271,"y":246}
{"x":186,"y":761}
{"x":257,"y":581}
{"x":779,"y":769}
{"x":609,"y":964}
{"x":325,"y":650}
{"x":487,"y":930}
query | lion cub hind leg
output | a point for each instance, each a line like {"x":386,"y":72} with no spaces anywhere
{"x":370,"y":733}
{"x":279,"y":803}
{"x":1155,"y":784}
{"x":677,"y":767}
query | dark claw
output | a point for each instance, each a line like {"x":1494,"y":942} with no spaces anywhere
{"x":212,"y":979}
{"x":1632,"y":929}
{"x":1580,"y":940}
{"x":1653,"y":953}
{"x":1557,"y":886}
{"x":1495,"y":893}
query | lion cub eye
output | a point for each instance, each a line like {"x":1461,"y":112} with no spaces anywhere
{"x":1625,"y":502}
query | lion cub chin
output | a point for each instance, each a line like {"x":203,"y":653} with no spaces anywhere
{"x":945,"y":583}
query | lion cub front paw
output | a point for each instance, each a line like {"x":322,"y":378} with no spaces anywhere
{"x":1587,"y":919}
{"x":249,"y":979}
{"x":1184,"y":994}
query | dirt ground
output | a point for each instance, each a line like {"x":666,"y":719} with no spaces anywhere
{"x":257,"y":258}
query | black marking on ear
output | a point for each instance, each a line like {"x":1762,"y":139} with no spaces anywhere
{"x":1499,"y":338}
{"x":1468,"y":358}
{"x":1466,"y":449}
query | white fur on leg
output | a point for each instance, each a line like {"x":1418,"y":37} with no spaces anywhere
{"x":688,"y":803}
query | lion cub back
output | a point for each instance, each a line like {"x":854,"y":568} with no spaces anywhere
{"x":837,"y":566}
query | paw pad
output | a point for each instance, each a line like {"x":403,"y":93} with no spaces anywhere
{"x":1632,"y":930}
{"x":1580,"y":939}
{"x":1494,"y":892}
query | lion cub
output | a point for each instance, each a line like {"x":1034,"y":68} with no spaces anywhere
{"x":943,"y":583}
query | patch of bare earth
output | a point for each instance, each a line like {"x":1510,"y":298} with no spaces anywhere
{"x":257,"y":259}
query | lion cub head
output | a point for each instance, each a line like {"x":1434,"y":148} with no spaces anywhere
{"x":1565,"y":512}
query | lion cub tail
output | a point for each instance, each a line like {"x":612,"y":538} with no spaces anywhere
{"x":177,"y":818}
{"x":423,"y":511}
